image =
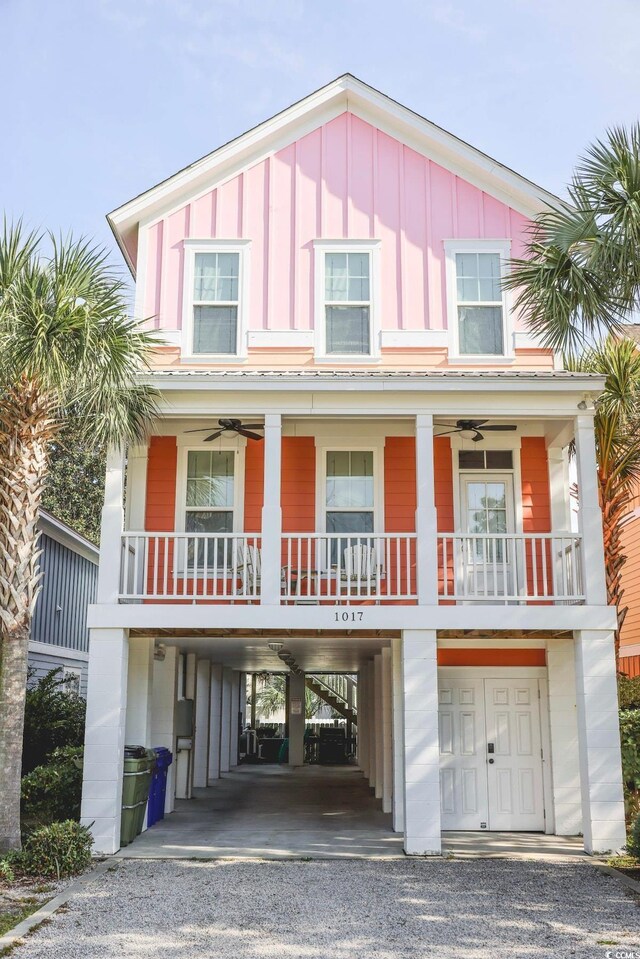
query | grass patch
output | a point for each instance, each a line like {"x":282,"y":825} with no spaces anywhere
{"x":22,"y":909}
{"x":628,"y":865}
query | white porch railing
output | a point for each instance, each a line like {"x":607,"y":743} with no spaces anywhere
{"x":344,"y":568}
{"x":510,"y":567}
{"x":199,"y":567}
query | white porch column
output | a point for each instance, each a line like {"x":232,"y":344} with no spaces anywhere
{"x":296,"y":719}
{"x":589,"y":514}
{"x":387,"y":740}
{"x":271,"y":511}
{"x":603,"y":823}
{"x":559,"y":489}
{"x":398,"y":735}
{"x":235,"y":710}
{"x":421,"y":752}
{"x":377,"y":678}
{"x":565,"y":766}
{"x":215,"y":719}
{"x":371,"y":720}
{"x":363,"y":723}
{"x":104,"y":737}
{"x":163,"y":715}
{"x":137,"y":459}
{"x":140,"y":691}
{"x":201,"y":732}
{"x":225,"y":719}
{"x":426,"y":516}
{"x":111,"y":528}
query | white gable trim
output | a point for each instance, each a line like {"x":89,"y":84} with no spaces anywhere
{"x":345,"y":93}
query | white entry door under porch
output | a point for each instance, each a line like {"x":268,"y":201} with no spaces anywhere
{"x":491,"y":766}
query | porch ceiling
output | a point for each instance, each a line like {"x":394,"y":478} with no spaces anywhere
{"x":314,"y":650}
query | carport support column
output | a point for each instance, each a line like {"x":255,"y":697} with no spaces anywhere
{"x":104,"y":737}
{"x":225,"y":719}
{"x":421,"y":753}
{"x":363,"y":722}
{"x":397,"y":735}
{"x":567,"y":803}
{"x":163,"y":715}
{"x":201,"y":736}
{"x":371,"y":714}
{"x":296,"y":719}
{"x":215,"y":721}
{"x":271,"y":512}
{"x":387,"y":743}
{"x":377,"y":674}
{"x":603,"y":822}
{"x":235,"y":719}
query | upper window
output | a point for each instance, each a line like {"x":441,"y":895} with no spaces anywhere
{"x":346,"y":312}
{"x":347,"y":291}
{"x":215,"y":302}
{"x":214,"y":295}
{"x":477,"y":303}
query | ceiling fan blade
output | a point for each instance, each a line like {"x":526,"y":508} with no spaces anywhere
{"x":201,"y":429}
{"x":252,"y":426}
{"x":470,"y":424}
{"x":252,"y":436}
{"x":504,"y":428}
{"x":454,"y":429}
{"x":477,"y":437}
{"x":214,"y":436}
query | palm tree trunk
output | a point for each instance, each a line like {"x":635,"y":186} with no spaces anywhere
{"x":26,"y":428}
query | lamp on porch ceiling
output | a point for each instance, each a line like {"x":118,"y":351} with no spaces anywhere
{"x":275,"y":647}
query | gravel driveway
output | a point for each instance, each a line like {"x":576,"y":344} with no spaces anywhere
{"x":394,"y":909}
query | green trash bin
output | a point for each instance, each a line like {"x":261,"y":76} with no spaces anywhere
{"x":135,"y":792}
{"x":144,"y":786}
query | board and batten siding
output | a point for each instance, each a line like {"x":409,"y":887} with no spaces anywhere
{"x":59,"y":633}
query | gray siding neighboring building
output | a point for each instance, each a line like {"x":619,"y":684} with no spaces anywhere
{"x":59,"y":634}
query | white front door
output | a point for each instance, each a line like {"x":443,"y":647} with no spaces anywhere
{"x":512,"y":710}
{"x":488,"y":564}
{"x":490,"y":754}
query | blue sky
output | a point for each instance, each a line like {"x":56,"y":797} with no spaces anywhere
{"x":104,"y":98}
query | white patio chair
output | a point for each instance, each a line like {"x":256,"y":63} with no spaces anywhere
{"x":360,"y":568}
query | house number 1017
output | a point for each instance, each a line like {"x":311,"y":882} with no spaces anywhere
{"x":354,"y":616}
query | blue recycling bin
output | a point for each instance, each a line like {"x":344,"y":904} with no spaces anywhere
{"x":158,"y":788}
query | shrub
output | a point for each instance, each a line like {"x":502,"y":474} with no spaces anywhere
{"x":6,"y":870}
{"x":630,"y":744}
{"x":57,"y":851}
{"x":633,"y":843}
{"x":53,"y":718}
{"x":629,"y":692}
{"x":52,"y":792}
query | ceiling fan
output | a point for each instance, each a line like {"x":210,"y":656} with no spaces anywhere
{"x":231,"y":426}
{"x":470,"y":429}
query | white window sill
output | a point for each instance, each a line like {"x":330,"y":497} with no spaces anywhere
{"x":484,"y":359}
{"x":349,"y":358}
{"x":208,"y":358}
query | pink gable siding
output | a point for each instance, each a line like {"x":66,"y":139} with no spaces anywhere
{"x":344,"y":180}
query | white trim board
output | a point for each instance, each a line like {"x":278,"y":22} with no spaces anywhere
{"x":62,"y":652}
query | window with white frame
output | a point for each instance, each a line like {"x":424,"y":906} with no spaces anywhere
{"x":347,"y":303}
{"x":216,"y":301}
{"x":210,"y":501}
{"x":479,"y":302}
{"x":349,"y":497}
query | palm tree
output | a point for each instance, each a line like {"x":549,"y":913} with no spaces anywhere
{"x":67,"y":349}
{"x":580,"y":276}
{"x":617,"y":434}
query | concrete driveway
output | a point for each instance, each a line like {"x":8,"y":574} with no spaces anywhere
{"x":344,"y":909}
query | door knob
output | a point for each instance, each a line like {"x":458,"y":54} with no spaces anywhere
{"x":492,"y":760}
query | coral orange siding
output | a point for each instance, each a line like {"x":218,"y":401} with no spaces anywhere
{"x":298,"y":484}
{"x":491,"y":657}
{"x":253,"y":487}
{"x":400,"y":484}
{"x":160,"y":508}
{"x":536,"y":510}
